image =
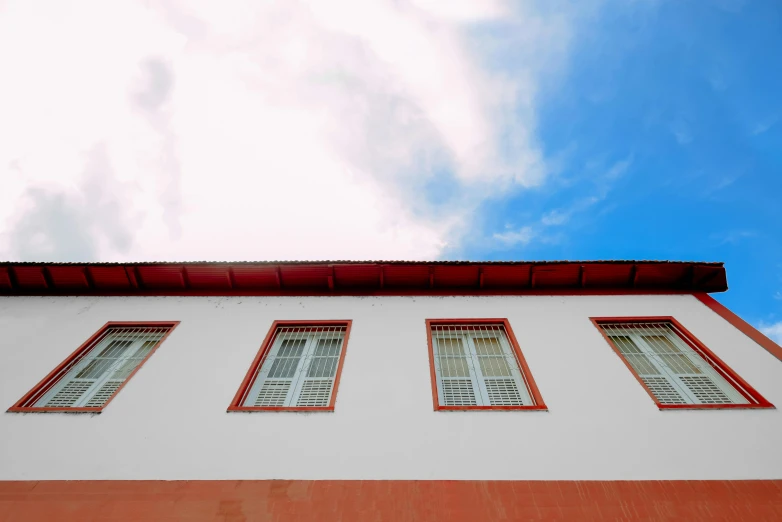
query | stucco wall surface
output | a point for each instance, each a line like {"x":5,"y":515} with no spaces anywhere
{"x":170,"y":421}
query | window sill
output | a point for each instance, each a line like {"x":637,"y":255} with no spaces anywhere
{"x":663,"y":407}
{"x":281,"y":408}
{"x":54,"y":410}
{"x":492,"y":408}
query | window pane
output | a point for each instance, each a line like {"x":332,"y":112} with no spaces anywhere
{"x":287,"y":359}
{"x":491,"y":357}
{"x":451,"y":346}
{"x":488,"y":346}
{"x":323,"y":367}
{"x":671,"y":355}
{"x":625,"y":344}
{"x":637,"y":359}
{"x":107,"y":357}
{"x":454,"y":367}
{"x":130,"y":364}
{"x":453,"y":362}
{"x":328,"y":348}
{"x":325,"y":359}
{"x":495,"y":366}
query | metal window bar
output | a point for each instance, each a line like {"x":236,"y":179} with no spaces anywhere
{"x":300,"y":368}
{"x":475,"y":365}
{"x":91,"y":379}
{"x":673,"y":371}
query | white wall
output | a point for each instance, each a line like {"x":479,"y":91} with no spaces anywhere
{"x":170,"y":421}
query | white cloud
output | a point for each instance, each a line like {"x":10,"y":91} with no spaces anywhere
{"x":763,"y":126}
{"x":773,"y":331}
{"x":681,"y":131}
{"x":519,"y":237}
{"x":602,"y":177}
{"x":618,"y":169}
{"x":257,"y":130}
{"x":555,"y":217}
{"x":733,"y":236}
{"x":462,"y":10}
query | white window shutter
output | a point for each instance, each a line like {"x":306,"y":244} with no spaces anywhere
{"x":665,"y":392}
{"x":97,"y":376}
{"x":320,"y":371}
{"x":300,"y":369}
{"x":103,"y":393}
{"x":672,"y":370}
{"x":503,"y":384}
{"x":646,"y":366}
{"x":82,"y":379}
{"x":274,"y":384}
{"x":68,"y":394}
{"x":457,"y":382}
{"x":475,"y":365}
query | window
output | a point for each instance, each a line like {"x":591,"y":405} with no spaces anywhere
{"x":676,"y":369}
{"x":93,"y":374}
{"x":477,"y":364}
{"x":297,"y":368}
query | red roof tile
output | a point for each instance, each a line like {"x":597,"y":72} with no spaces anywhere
{"x":361,"y":278}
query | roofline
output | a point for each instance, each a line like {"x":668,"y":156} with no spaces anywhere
{"x":361,"y":278}
{"x":357,"y":262}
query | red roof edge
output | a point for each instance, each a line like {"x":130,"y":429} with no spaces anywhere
{"x":362,"y":278}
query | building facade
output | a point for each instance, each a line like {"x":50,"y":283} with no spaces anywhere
{"x":383,"y":391}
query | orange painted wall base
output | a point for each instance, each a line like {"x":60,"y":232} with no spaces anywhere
{"x":375,"y":501}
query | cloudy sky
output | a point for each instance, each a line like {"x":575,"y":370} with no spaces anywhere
{"x":399,"y":129}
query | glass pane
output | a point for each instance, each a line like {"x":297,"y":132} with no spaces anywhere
{"x":495,"y":366}
{"x":487,"y":346}
{"x":625,"y":344}
{"x":671,"y":355}
{"x":642,"y":364}
{"x":325,"y":359}
{"x":328,"y":348}
{"x":450,"y":354}
{"x":100,"y":363}
{"x":491,"y":357}
{"x":450,"y":347}
{"x":130,"y":364}
{"x":291,"y":348}
{"x":323,"y":367}
{"x":637,"y":359}
{"x":287,"y":359}
{"x":454,"y":367}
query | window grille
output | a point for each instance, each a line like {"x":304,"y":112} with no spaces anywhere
{"x":94,"y":374}
{"x":671,"y":368}
{"x":475,"y":365}
{"x":299,"y":369}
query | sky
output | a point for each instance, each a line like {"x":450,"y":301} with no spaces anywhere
{"x":407,"y":129}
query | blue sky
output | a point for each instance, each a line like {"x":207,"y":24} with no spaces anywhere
{"x":668,"y":124}
{"x":397,"y":129}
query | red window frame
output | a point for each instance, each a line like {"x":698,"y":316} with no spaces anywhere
{"x":756,"y":400}
{"x":526,"y":374}
{"x":252,"y":373}
{"x":22,"y":405}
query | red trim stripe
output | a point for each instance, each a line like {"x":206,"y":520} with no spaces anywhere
{"x":364,"y":500}
{"x":740,"y":324}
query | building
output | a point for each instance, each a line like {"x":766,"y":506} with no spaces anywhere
{"x":383,"y":391}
